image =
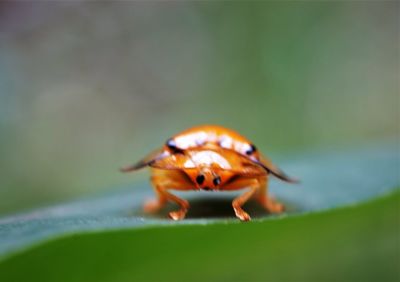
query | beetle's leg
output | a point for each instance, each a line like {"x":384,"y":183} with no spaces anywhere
{"x":163,"y":181}
{"x":267,"y":202}
{"x":167,"y":196}
{"x":238,"y":202}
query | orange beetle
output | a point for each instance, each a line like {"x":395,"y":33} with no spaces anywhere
{"x":210,"y":157}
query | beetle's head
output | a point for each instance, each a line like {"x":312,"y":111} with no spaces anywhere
{"x":207,"y":169}
{"x":207,"y":178}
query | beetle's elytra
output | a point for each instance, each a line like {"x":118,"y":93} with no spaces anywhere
{"x":211,"y":158}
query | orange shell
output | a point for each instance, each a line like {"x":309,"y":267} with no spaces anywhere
{"x":209,"y":137}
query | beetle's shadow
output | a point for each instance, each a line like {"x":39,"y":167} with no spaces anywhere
{"x":221,"y":208}
{"x":214,"y":208}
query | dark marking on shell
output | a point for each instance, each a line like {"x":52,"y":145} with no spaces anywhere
{"x":171,"y":144}
{"x":252,"y":149}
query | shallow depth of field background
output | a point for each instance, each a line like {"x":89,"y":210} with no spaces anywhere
{"x":88,"y":87}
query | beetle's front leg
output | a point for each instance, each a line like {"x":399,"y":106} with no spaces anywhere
{"x":163,"y":181}
{"x":266,"y":201}
{"x":165,"y":196}
{"x":238,"y":202}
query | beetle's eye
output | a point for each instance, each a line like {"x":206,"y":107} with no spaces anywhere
{"x":200,"y":179}
{"x":217,"y":181}
{"x":251,"y":150}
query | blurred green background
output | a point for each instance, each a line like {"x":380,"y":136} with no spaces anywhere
{"x":88,"y":87}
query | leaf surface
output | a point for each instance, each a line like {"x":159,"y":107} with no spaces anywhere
{"x":328,"y":180}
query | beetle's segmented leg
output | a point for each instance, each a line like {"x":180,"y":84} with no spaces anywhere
{"x":240,"y":183}
{"x":179,"y":214}
{"x":267,"y":202}
{"x":240,"y":201}
{"x":161,"y":185}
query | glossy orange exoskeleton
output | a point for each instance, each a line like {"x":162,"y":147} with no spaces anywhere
{"x":210,"y":157}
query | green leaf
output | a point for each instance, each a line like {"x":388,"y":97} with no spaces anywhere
{"x":352,"y":244}
{"x":142,"y":246}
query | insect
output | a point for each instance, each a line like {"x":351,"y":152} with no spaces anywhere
{"x":212,"y":158}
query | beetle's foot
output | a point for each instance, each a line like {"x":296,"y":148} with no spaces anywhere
{"x":178,"y":215}
{"x":152,"y":206}
{"x":242,"y":215}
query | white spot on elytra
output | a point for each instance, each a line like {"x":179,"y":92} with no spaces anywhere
{"x":207,"y":158}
